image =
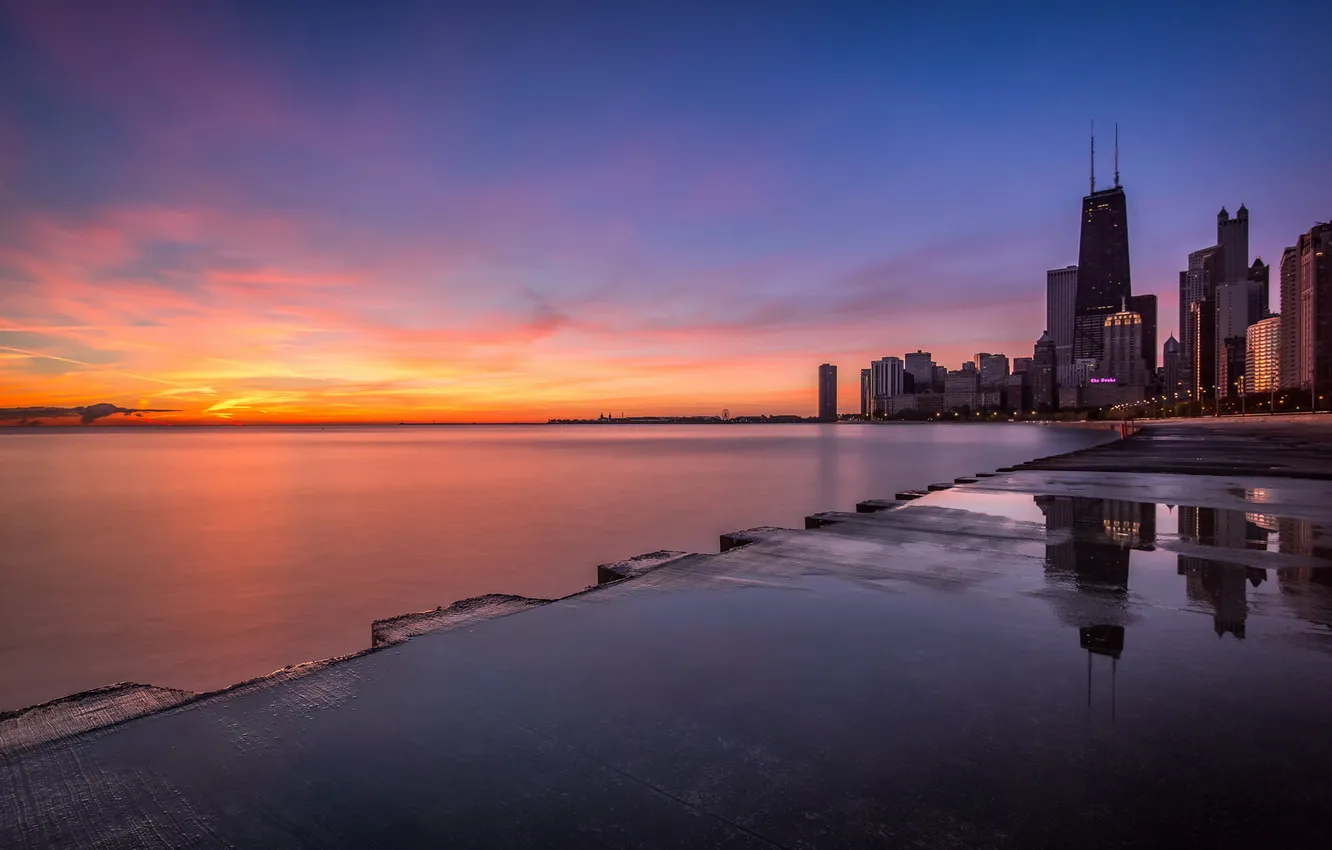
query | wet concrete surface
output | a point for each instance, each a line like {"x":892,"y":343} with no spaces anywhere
{"x":1042,"y":658}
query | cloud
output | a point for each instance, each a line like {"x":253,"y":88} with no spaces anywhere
{"x":87,"y":414}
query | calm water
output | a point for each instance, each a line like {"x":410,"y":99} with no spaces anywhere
{"x":198,"y":558}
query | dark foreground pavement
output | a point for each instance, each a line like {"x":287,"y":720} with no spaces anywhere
{"x":1045,"y":658}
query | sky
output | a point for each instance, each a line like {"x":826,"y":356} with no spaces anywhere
{"x":341,"y":212}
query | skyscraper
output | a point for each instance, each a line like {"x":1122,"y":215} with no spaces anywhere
{"x":1123,"y":360}
{"x":1202,"y":330}
{"x":1238,"y":305}
{"x":1313,"y":354}
{"x":1042,"y":374}
{"x":827,"y":393}
{"x":1290,"y":318}
{"x":1232,"y":237}
{"x":887,"y":379}
{"x":1061,"y":287}
{"x":993,"y":368}
{"x":1198,"y":283}
{"x":1260,"y":273}
{"x":1103,"y":263}
{"x":866,"y":393}
{"x":1171,"y":355}
{"x":920,"y":365}
{"x":1145,"y":306}
{"x":962,"y":390}
{"x":1262,"y":368}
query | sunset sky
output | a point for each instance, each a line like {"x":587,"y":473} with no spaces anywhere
{"x":280,"y":212}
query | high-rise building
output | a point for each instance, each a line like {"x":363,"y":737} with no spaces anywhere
{"x":1232,"y":237}
{"x":1237,"y":304}
{"x":962,"y":390}
{"x":886,"y":377}
{"x":1198,"y":283}
{"x":866,"y":393}
{"x":1230,"y":362}
{"x":1042,"y":374}
{"x":1145,"y":306}
{"x":1103,"y":265}
{"x":920,"y":366}
{"x":1262,"y":353}
{"x":1061,"y":288}
{"x":940,"y":375}
{"x":1260,"y":274}
{"x":1290,"y":318}
{"x":1314,"y":281}
{"x":1022,"y":364}
{"x":1123,"y":362}
{"x":1202,"y":330}
{"x":827,"y":393}
{"x":1017,"y":391}
{"x":1171,"y":355}
{"x":993,"y":368}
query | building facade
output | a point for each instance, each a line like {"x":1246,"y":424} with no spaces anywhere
{"x":1314,"y":350}
{"x":1171,"y":355}
{"x":886,"y":375}
{"x":866,"y":393}
{"x":1202,"y":330}
{"x":1262,"y":353}
{"x":1042,"y":374}
{"x":992,"y":368}
{"x":1017,"y":392}
{"x":1145,"y":307}
{"x":962,"y":390}
{"x":1196,"y":284}
{"x":1061,"y":288}
{"x":1232,"y":237}
{"x":920,"y":366}
{"x":1123,"y":362}
{"x":827,"y":393}
{"x":1290,"y":318}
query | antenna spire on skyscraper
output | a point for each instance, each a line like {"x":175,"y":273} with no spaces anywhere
{"x":1116,"y":153}
{"x":1093,"y":158}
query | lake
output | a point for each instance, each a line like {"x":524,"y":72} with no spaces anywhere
{"x":198,"y":557}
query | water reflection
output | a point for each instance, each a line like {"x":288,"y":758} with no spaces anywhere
{"x":1088,"y":554}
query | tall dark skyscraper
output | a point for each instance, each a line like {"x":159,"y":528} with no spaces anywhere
{"x":1289,"y":361}
{"x":827,"y":393}
{"x":1103,"y":264}
{"x":1043,"y":374}
{"x":1232,"y":237}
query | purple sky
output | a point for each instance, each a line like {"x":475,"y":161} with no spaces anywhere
{"x":436,"y":211}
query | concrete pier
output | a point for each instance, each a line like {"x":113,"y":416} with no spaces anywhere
{"x":1129,"y":646}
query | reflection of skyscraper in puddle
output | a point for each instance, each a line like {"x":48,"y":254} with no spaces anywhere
{"x":1223,"y":587}
{"x":1220,"y":585}
{"x":1087,"y":543}
{"x":1296,"y":537}
{"x":1212,"y":527}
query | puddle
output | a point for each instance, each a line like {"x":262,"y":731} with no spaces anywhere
{"x":1141,"y":525}
{"x":1105,"y":559}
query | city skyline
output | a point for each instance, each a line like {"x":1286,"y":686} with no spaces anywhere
{"x":204,"y":213}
